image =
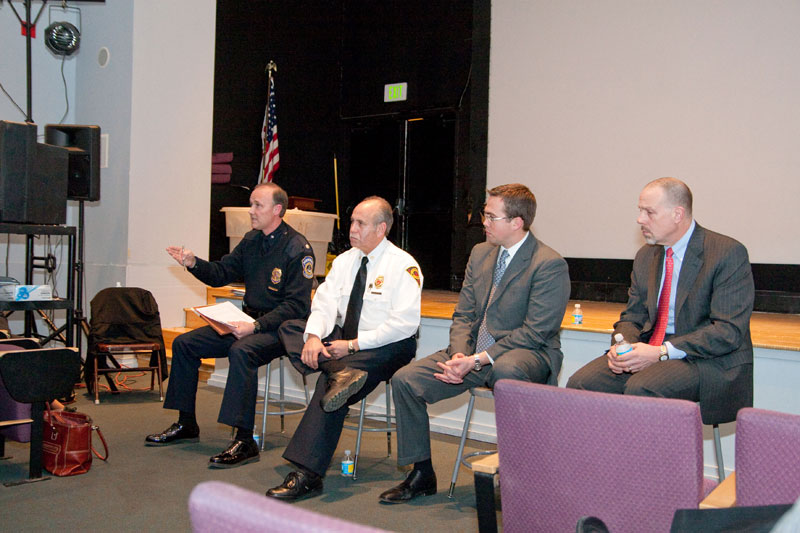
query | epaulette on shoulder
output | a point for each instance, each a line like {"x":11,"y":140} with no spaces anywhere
{"x":298,"y":245}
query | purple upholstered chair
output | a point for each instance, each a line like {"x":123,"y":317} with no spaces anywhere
{"x":218,"y":507}
{"x":630,"y":461}
{"x":9,"y":408}
{"x":767,"y":457}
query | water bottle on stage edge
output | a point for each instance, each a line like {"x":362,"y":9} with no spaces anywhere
{"x":577,"y":315}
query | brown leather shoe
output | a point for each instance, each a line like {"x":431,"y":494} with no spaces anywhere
{"x":297,"y":485}
{"x":342,"y":385}
{"x":414,"y":485}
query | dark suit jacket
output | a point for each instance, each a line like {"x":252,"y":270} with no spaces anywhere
{"x":713,"y":304}
{"x":528,"y":304}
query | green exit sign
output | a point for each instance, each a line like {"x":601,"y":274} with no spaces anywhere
{"x":395,"y":92}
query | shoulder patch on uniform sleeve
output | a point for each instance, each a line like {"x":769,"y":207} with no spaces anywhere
{"x":414,"y":271}
{"x":308,"y":267}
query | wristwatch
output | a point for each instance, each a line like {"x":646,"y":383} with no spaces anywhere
{"x":663,"y":354}
{"x":478,"y":365}
{"x":350,"y":348}
{"x":256,"y":327}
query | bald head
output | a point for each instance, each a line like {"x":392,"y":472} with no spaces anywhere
{"x":665,"y":211}
{"x":676,"y":193}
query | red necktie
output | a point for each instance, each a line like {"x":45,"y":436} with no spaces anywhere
{"x":663,"y":304}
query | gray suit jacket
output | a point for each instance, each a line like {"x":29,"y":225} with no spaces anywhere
{"x":713,"y":304}
{"x":527,"y":308}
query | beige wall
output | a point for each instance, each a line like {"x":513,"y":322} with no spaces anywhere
{"x":590,"y":100}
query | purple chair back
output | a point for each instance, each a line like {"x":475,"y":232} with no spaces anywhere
{"x":11,"y":409}
{"x":767,"y":457}
{"x":218,"y":507}
{"x":630,"y":461}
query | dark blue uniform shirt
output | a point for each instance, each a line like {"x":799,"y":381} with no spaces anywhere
{"x":277,"y":271}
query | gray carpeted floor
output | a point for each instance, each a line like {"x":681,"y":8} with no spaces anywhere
{"x":146,"y":489}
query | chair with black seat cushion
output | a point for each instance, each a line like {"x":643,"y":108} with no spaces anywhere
{"x":34,"y":377}
{"x":14,"y":416}
{"x":724,"y":409}
{"x":124,"y":320}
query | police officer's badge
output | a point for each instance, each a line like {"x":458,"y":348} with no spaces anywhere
{"x":276,"y":276}
{"x":379,"y":282}
{"x":308,"y":267}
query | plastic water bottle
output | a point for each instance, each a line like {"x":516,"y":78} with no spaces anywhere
{"x":623,"y":346}
{"x":347,"y":464}
{"x":257,"y":437}
{"x":577,"y":315}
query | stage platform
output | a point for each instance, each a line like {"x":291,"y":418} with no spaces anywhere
{"x":769,"y":330}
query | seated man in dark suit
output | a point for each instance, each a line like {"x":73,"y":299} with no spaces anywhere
{"x":690,"y":335}
{"x":506,"y":325}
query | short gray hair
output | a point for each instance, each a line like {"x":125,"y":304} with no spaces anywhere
{"x":384,"y":211}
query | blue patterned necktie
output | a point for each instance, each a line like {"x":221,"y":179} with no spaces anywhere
{"x":485,"y":339}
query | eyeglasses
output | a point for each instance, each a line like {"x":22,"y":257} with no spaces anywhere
{"x":491,"y":218}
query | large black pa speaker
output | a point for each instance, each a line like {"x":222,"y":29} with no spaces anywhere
{"x":83,"y":143}
{"x":33,"y":177}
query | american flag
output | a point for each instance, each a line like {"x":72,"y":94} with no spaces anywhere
{"x":270,"y":159}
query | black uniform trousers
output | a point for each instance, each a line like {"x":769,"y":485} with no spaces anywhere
{"x":317,"y":435}
{"x":245,"y":356}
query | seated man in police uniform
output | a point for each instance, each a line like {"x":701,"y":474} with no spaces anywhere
{"x":276,"y":264}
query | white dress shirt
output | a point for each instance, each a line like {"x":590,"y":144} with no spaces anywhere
{"x":391,"y":309}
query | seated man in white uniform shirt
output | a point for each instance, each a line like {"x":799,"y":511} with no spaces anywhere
{"x":362,"y":329}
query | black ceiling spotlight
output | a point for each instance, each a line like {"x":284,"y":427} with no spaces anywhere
{"x":63,"y":38}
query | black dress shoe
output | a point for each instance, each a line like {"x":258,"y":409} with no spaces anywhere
{"x":240,"y":452}
{"x":175,"y":433}
{"x":342,"y":385}
{"x":298,"y":484}
{"x":416,"y":484}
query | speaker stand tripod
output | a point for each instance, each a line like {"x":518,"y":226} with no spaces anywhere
{"x":80,"y":322}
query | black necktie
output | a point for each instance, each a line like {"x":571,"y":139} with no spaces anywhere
{"x":350,"y":328}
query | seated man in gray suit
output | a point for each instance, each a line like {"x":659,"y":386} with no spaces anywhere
{"x":691,"y":336}
{"x":506,"y":325}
